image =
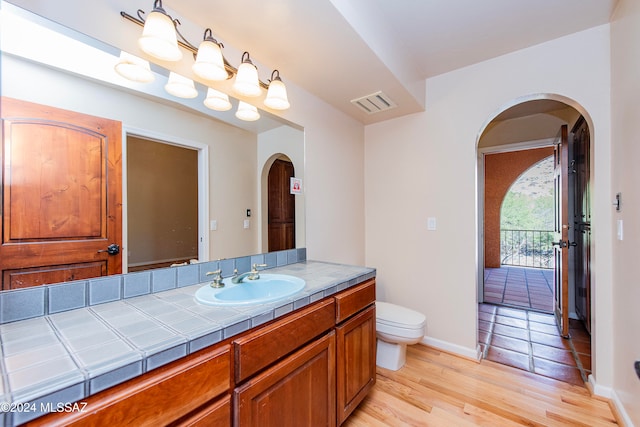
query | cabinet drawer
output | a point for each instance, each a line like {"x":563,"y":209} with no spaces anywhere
{"x":215,"y":414}
{"x":157,"y":397}
{"x":355,"y":299}
{"x":261,"y":348}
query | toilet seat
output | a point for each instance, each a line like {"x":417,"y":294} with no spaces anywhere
{"x":397,"y":317}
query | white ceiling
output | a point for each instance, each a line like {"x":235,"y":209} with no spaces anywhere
{"x":344,"y":49}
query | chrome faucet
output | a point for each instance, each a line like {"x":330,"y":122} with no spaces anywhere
{"x":254,"y":274}
{"x":217,"y":280}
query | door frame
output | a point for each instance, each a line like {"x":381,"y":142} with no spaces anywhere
{"x":203,"y":185}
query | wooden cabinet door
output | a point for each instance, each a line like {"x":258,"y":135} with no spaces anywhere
{"x":298,"y":391}
{"x":356,"y":361}
{"x":61,"y":195}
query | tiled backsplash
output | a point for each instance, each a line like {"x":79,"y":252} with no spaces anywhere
{"x":38,"y":301}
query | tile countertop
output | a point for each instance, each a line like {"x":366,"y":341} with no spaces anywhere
{"x":64,"y":357}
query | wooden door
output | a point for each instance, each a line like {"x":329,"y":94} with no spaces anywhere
{"x":61,"y":195}
{"x":582,"y":220}
{"x":298,"y":391}
{"x":282,"y":207}
{"x":561,"y":232}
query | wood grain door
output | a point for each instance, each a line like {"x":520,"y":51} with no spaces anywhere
{"x":356,"y":361}
{"x":61,"y":195}
{"x":561,"y":232}
{"x":282,"y":207}
{"x":582,"y":220}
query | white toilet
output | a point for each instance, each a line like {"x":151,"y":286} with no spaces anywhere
{"x":396,"y":327}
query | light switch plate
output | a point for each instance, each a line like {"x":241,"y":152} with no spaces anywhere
{"x":213,"y":225}
{"x":247,"y":223}
{"x":431,"y":223}
{"x":620,"y":230}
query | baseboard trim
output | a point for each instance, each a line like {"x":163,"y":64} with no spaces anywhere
{"x":469,"y":353}
{"x":614,"y":401}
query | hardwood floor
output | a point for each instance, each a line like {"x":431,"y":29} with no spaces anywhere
{"x":439,"y":389}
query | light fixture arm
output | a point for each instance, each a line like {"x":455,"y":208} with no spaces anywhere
{"x":184,"y":43}
{"x":275,"y":75}
{"x":208,"y":36}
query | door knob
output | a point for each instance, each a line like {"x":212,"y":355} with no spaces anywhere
{"x":112,"y":249}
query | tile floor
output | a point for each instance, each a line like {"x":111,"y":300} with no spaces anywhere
{"x":530,"y":288}
{"x":529,"y":340}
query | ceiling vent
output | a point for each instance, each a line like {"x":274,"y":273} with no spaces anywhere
{"x":374,"y":103}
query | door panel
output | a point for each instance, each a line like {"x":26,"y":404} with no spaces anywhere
{"x":561,"y":232}
{"x":25,"y":277}
{"x":61,"y":195}
{"x":582,"y":220}
{"x":282,"y":207}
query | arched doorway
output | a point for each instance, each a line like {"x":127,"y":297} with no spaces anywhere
{"x":527,"y":125}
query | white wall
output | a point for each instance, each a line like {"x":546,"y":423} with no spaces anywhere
{"x":625,"y":83}
{"x":424,"y":165}
{"x":334,"y":187}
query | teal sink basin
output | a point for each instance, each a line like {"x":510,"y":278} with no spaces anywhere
{"x":269,"y":288}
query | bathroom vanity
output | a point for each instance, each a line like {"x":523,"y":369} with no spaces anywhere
{"x":309,"y":366}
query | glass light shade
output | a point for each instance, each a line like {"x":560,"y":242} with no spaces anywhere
{"x":247,"y":83}
{"x":159,"y":37}
{"x":247,"y":112}
{"x":209,"y":63}
{"x":133,"y":68}
{"x":180,"y":86}
{"x":277,"y":96}
{"x":217,"y":100}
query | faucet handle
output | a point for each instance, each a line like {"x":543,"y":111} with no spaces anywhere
{"x":254,"y":267}
{"x":255,"y":275}
{"x":217,"y":280}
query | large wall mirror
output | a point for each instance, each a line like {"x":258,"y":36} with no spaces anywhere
{"x":195,"y":182}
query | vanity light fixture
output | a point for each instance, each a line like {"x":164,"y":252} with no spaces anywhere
{"x":247,"y":82}
{"x":161,"y":38}
{"x":134,"y":68}
{"x":180,"y":86}
{"x":209,"y":61}
{"x":217,"y":100}
{"x":247,"y":112}
{"x":277,"y":93}
{"x":159,"y":35}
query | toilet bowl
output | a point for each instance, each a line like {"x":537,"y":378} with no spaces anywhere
{"x":396,"y":327}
